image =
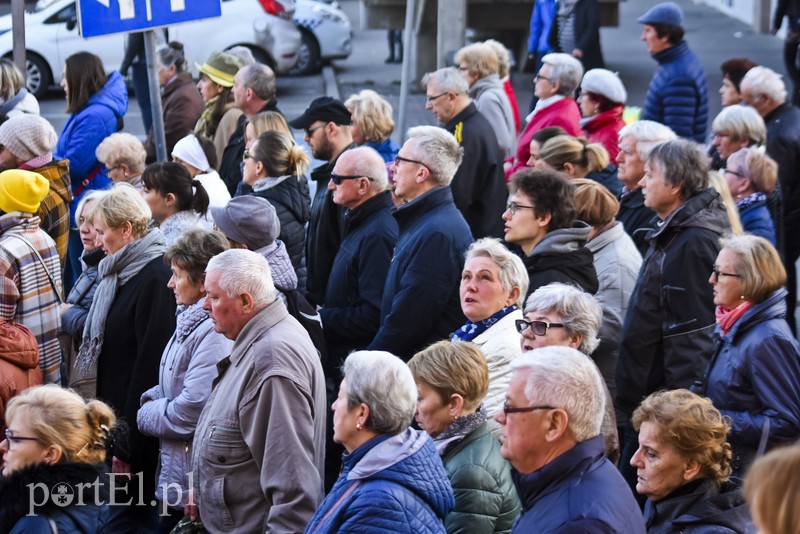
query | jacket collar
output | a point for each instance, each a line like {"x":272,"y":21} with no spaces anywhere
{"x":17,"y":219}
{"x":258,"y":326}
{"x":672,"y":53}
{"x":563,"y":240}
{"x":605,"y":238}
{"x":407,"y":213}
{"x":353,"y":218}
{"x":465,"y":113}
{"x":773,"y":307}
{"x":603,"y":119}
{"x":703,"y":210}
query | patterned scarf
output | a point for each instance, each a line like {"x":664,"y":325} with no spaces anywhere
{"x":471,"y":330}
{"x":727,"y":318}
{"x":456,"y":431}
{"x":750,"y":200}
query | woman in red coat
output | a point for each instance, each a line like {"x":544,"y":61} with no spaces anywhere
{"x":602,"y":102}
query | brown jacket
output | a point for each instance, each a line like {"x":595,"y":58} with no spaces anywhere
{"x":54,"y":210}
{"x":19,"y":363}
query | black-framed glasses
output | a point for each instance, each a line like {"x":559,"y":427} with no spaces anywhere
{"x":716,"y":273}
{"x":539,"y":328}
{"x":463,"y":68}
{"x":339,"y":178}
{"x":246,"y":155}
{"x":310,"y":131}
{"x":115,"y":167}
{"x":538,"y":77}
{"x":11,"y":438}
{"x":522,"y":409}
{"x":400,"y":159}
{"x":739,"y":174}
{"x":434,"y":97}
{"x":513,"y":207}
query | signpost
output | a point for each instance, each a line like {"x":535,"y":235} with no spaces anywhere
{"x":103,"y":17}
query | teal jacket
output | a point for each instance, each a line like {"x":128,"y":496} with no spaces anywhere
{"x":486,"y":500}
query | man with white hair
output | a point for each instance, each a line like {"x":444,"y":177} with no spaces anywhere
{"x":551,"y":435}
{"x":259,"y":445}
{"x":479,"y":187}
{"x":636,"y":140}
{"x":421,"y":302}
{"x":764,"y":90}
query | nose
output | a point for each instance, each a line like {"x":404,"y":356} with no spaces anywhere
{"x":620,"y":156}
{"x":643,"y":182}
{"x":207,"y":305}
{"x":712,"y":279}
{"x":636,"y":458}
{"x":716,"y":140}
{"x":644,"y":36}
{"x":500,"y":417}
{"x":331,"y":185}
{"x":507,"y":215}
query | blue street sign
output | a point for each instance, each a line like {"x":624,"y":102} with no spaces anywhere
{"x":103,"y":17}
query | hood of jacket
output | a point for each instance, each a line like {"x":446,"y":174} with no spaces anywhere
{"x":410,"y":460}
{"x":57,"y":172}
{"x":773,"y":307}
{"x":563,"y":240}
{"x":280,"y":265}
{"x":16,"y":496}
{"x":704,"y":210}
{"x":487,"y":83}
{"x":113,"y":95}
{"x":564,"y":251}
{"x":19,"y":346}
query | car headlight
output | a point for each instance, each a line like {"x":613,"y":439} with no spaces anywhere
{"x":327,"y":14}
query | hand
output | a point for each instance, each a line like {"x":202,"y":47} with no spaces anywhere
{"x":578,"y":53}
{"x":119,"y":467}
{"x":191,"y":507}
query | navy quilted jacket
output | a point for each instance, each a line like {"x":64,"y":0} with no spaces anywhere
{"x":678,"y":96}
{"x":390,"y":484}
{"x":757,"y":220}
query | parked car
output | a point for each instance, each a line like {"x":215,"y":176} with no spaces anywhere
{"x":326,"y":32}
{"x":51,"y":34}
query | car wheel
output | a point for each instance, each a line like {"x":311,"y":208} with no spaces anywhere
{"x":308,"y":61}
{"x":38,"y":75}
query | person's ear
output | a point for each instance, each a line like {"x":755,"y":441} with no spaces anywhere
{"x":53,"y":455}
{"x":557,"y":425}
{"x":544,"y":219}
{"x":169,"y":199}
{"x":455,"y":405}
{"x":247,"y":302}
{"x":575,"y":340}
{"x":691,"y":470}
{"x":569,"y":169}
{"x":127,"y":229}
{"x":513,"y":297}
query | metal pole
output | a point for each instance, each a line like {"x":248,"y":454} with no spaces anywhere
{"x":405,"y":78}
{"x":18,"y":33}
{"x":155,"y":96}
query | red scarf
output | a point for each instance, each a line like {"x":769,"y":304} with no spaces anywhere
{"x":727,"y":318}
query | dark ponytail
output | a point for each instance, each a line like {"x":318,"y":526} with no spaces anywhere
{"x":170,"y":177}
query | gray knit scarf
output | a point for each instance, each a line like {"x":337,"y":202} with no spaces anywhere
{"x":114,"y":271}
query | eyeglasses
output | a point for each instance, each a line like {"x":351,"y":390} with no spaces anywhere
{"x":11,"y":438}
{"x":522,"y":409}
{"x":513,"y":207}
{"x":434,"y":97}
{"x":115,"y":167}
{"x":246,"y":155}
{"x":399,"y":159}
{"x":338,"y":178}
{"x":538,"y":77}
{"x":462,"y":68}
{"x":539,"y":328}
{"x":310,"y":131}
{"x":716,"y":273}
{"x":739,"y":174}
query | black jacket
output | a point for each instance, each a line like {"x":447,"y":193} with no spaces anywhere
{"x":563,"y":257}
{"x":783,"y":145}
{"x":479,"y":186}
{"x":587,"y":34}
{"x":699,"y":507}
{"x":637,"y":218}
{"x":352,"y":312}
{"x":667,"y":332}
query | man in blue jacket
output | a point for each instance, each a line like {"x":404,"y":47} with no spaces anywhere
{"x":420,"y":298}
{"x":551,"y":435}
{"x":677,"y":96}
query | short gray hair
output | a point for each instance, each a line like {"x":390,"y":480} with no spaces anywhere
{"x":365,"y":161}
{"x":564,"y":378}
{"x":438,"y":150}
{"x":512,"y":270}
{"x":245,"y":272}
{"x":647,"y":135}
{"x":579,"y":311}
{"x":447,"y":80}
{"x":765,"y":81}
{"x":260,"y":79}
{"x":683,"y":163}
{"x":566,"y":70}
{"x":741,"y":122}
{"x":383,"y":382}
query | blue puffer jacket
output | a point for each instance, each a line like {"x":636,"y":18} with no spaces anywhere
{"x":678,"y":96}
{"x":390,"y":484}
{"x":388,"y":149}
{"x":85,"y":130}
{"x":757,"y":220}
{"x":754,"y":377}
{"x":420,"y":299}
{"x":579,"y":491}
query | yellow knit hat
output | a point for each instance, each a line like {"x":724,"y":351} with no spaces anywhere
{"x":22,"y":190}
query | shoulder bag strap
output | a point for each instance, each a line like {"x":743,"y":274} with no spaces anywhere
{"x":762,"y":444}
{"x":41,"y":260}
{"x":338,"y":503}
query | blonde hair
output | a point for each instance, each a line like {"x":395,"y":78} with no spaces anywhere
{"x":692,"y":425}
{"x":481,"y":59}
{"x":759,"y":168}
{"x":11,"y":80}
{"x":119,"y":205}
{"x":122,"y":148}
{"x":61,"y":418}
{"x":452,"y":368}
{"x":269,"y":121}
{"x":760,"y":267}
{"x":280,"y":155}
{"x":718,"y":182}
{"x":772,"y":489}
{"x":503,"y":57}
{"x":596,"y":205}
{"x":563,"y":149}
{"x":372,"y":113}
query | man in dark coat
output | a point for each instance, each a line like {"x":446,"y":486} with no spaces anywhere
{"x":326,"y":122}
{"x":479,"y":187}
{"x":420,"y":298}
{"x":677,"y":96}
{"x":764,"y":91}
{"x":666,"y":335}
{"x":551,"y":435}
{"x":576,"y":31}
{"x":253,"y":92}
{"x":541,"y":219}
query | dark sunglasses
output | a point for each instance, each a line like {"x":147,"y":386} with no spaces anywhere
{"x":539,"y":328}
{"x":246,"y":155}
{"x":339,"y":178}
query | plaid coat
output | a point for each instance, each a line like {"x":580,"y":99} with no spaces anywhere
{"x":54,"y":209}
{"x":26,"y":294}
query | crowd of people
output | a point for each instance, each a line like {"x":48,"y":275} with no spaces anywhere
{"x":571,"y":323}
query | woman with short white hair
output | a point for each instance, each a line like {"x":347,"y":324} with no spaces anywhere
{"x":392,"y":479}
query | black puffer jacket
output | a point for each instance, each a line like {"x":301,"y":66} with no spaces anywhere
{"x":666,"y":336}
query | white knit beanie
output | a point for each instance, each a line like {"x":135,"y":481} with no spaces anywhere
{"x":28,"y":136}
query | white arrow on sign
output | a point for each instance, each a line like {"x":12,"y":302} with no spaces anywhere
{"x":125,"y":8}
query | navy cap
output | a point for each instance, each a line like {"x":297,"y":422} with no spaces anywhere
{"x":668,"y":13}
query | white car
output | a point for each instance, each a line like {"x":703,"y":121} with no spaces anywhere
{"x":327,"y":34}
{"x":51,"y":35}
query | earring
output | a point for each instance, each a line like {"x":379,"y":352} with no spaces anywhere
{"x":126,"y":175}
{"x":359,"y":427}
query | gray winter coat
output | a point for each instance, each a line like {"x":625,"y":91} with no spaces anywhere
{"x":491,"y":100}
